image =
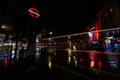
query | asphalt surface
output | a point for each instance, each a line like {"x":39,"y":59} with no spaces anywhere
{"x":53,"y":64}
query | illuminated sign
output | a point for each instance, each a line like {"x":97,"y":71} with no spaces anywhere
{"x":90,"y":34}
{"x":34,"y":13}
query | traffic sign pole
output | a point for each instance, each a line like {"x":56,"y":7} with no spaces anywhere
{"x":34,"y":15}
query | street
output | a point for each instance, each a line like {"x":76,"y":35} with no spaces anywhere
{"x":62,"y":64}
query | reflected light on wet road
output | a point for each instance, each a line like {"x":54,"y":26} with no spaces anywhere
{"x":81,"y":60}
{"x":99,"y":64}
{"x":92,"y":55}
{"x":92,"y":63}
{"x":69,"y":59}
{"x":75,"y":61}
{"x":69,"y":55}
{"x":94,"y":60}
{"x":38,"y":52}
{"x":49,"y":62}
{"x":113,"y":61}
{"x":5,"y":62}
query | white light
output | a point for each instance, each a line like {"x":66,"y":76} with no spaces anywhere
{"x":69,"y":59}
{"x":81,"y":33}
{"x":90,"y":34}
{"x":37,"y":40}
{"x":74,"y":47}
{"x":109,"y":37}
{"x":92,"y":28}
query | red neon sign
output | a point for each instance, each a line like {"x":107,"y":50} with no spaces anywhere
{"x":34,"y":12}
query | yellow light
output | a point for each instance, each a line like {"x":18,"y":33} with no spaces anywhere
{"x":51,"y":33}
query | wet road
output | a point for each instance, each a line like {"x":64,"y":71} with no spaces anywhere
{"x":62,"y":64}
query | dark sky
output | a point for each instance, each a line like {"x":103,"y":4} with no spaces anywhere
{"x":59,"y":16}
{"x":73,"y":16}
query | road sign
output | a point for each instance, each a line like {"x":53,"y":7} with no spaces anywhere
{"x":34,"y":13}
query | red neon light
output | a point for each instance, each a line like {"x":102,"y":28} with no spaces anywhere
{"x":99,"y":17}
{"x":37,"y":15}
{"x":96,"y":33}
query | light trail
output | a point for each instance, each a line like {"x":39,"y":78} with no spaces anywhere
{"x":80,"y":33}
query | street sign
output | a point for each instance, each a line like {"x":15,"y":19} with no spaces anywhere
{"x":34,"y":13}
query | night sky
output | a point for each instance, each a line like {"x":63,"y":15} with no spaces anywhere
{"x":59,"y":16}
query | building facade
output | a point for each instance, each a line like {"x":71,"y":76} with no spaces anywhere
{"x":106,"y":28}
{"x":110,"y":15}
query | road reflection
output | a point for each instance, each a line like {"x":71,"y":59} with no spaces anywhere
{"x":113,"y":62}
{"x":84,"y":62}
{"x":81,"y":59}
{"x":95,"y":61}
{"x":75,"y":61}
{"x":69,"y":56}
{"x":72,"y":57}
{"x":88,"y":59}
{"x":49,"y":61}
{"x":92,"y":64}
{"x":5,"y":62}
{"x":99,"y":64}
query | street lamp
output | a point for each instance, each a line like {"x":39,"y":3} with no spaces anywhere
{"x":69,"y":40}
{"x":51,"y":33}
